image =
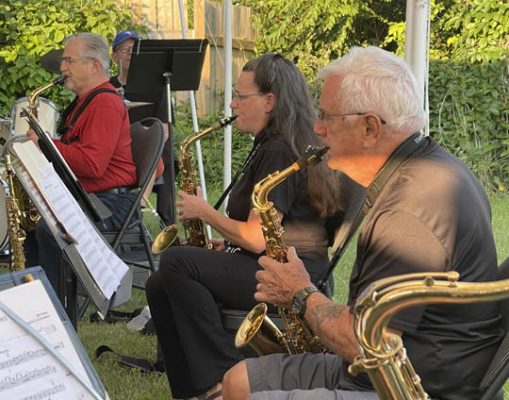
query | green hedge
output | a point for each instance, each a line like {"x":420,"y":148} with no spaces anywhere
{"x":469,"y":115}
{"x":31,"y":28}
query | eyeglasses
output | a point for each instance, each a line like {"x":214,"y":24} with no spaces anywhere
{"x":321,"y":116}
{"x":124,"y":49}
{"x":240,"y":97}
{"x":72,"y":60}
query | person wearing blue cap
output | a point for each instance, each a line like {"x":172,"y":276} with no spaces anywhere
{"x":122,"y":50}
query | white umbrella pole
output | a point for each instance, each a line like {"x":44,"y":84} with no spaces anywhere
{"x":417,"y":45}
{"x":228,"y":42}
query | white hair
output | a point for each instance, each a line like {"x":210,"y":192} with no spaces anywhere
{"x":95,"y":46}
{"x":376,"y":80}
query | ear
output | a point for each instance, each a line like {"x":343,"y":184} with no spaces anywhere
{"x":372,"y":129}
{"x":270,"y":102}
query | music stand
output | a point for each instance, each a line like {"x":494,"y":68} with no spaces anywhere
{"x":159,"y":66}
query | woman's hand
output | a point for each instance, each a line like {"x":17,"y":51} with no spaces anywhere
{"x":191,"y":206}
{"x":218,"y":244}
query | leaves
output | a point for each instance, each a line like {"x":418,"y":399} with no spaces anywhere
{"x":31,"y":28}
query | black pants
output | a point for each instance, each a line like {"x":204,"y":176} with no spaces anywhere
{"x":183,"y":296}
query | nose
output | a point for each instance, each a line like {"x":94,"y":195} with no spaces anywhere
{"x":319,"y":128}
{"x":233,"y":103}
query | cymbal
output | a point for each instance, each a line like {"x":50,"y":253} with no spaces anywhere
{"x":133,"y":104}
{"x":51,"y":60}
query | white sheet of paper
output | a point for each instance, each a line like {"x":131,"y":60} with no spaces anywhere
{"x":26,"y":367}
{"x":105,"y":266}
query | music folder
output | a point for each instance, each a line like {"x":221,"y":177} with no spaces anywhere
{"x":41,"y":355}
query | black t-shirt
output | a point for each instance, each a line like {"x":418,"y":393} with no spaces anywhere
{"x":433,"y":215}
{"x":303,"y":227}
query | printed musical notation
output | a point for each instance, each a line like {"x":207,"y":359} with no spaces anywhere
{"x":106,"y":268}
{"x":28,"y":371}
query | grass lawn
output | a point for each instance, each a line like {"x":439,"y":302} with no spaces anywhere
{"x":125,"y":383}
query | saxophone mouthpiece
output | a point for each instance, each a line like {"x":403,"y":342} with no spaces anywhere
{"x":312,"y":156}
{"x":227,"y":121}
{"x":60,"y":80}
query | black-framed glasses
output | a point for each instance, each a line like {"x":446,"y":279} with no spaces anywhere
{"x":322,"y":116}
{"x":72,"y":60}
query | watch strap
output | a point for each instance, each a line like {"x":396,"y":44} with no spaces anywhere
{"x":299,"y":300}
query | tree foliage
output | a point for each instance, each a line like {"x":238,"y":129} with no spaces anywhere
{"x":31,"y":28}
{"x":313,"y":32}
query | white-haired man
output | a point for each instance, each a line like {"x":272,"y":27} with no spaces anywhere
{"x":430,"y":215}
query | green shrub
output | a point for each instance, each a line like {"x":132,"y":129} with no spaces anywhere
{"x":469,"y":115}
{"x":31,"y":28}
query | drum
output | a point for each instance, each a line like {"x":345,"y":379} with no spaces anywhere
{"x":5,"y":133}
{"x":47,"y":115}
{"x":4,"y":237}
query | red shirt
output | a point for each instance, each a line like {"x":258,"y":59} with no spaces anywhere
{"x":99,"y":150}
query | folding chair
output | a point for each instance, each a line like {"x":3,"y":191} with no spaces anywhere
{"x":498,"y":372}
{"x":147,"y":138}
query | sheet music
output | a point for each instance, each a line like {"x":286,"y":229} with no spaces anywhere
{"x":27,"y":369}
{"x":105,"y":266}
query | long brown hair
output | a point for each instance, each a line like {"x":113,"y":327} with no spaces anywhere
{"x":293,"y":118}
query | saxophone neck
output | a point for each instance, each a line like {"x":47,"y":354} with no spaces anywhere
{"x":312,"y":156}
{"x":32,"y":96}
{"x":195,"y":136}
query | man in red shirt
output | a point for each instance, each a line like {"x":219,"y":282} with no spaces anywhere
{"x":95,"y":139}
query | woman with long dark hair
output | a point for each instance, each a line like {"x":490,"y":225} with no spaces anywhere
{"x":273,"y":104}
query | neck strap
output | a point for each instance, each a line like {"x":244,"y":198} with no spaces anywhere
{"x":356,"y":212}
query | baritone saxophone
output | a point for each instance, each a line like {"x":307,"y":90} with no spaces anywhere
{"x":195,"y":231}
{"x":257,"y":329}
{"x":382,"y":355}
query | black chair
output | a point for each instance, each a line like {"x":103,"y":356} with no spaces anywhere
{"x":498,"y":372}
{"x":147,"y":138}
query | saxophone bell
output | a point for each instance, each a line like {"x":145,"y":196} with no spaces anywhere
{"x":166,"y":238}
{"x":261,"y":333}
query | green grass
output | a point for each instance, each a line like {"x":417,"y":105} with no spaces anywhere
{"x":126,"y":384}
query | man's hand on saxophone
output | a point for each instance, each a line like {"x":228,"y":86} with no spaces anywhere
{"x":278,"y":282}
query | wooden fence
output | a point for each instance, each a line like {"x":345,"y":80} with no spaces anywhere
{"x":163,"y":20}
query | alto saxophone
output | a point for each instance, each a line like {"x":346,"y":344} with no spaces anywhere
{"x":196,"y":234}
{"x":257,"y":329}
{"x":382,"y":355}
{"x":28,"y":214}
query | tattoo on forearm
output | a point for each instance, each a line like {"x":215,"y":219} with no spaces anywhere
{"x":326,"y":312}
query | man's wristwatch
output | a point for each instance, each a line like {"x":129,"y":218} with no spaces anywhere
{"x":299,"y":300}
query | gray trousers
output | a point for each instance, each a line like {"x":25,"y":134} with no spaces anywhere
{"x":304,"y":376}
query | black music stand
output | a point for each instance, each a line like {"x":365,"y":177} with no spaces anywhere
{"x":160,"y":66}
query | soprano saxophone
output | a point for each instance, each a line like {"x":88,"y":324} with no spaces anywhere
{"x":382,"y":355}
{"x":257,"y":329}
{"x":196,"y":234}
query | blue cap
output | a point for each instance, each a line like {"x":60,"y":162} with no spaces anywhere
{"x":122,"y":37}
